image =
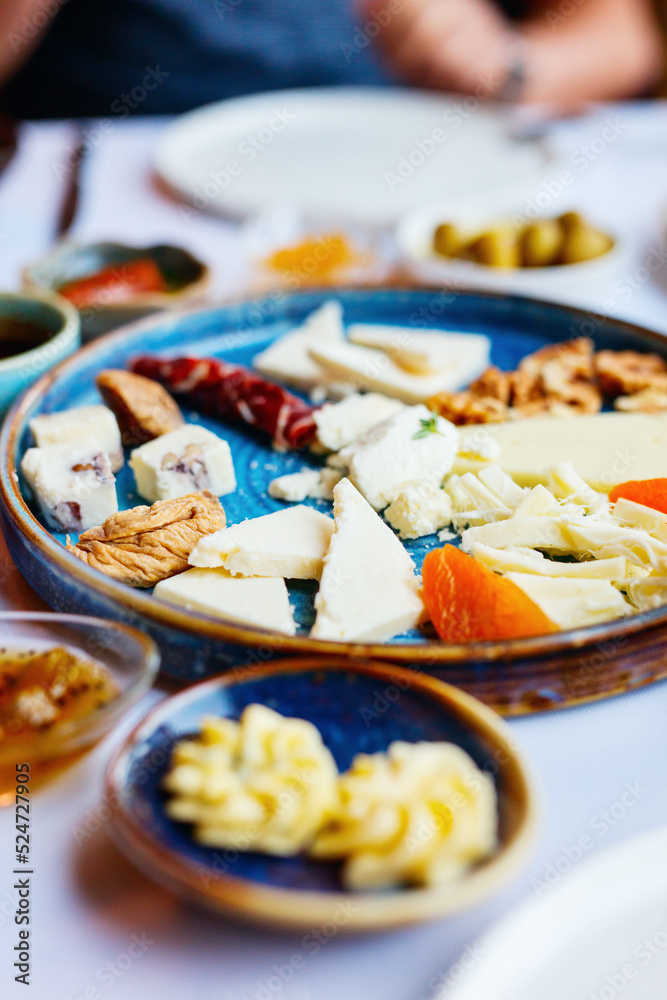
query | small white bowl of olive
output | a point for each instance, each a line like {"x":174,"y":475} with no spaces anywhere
{"x":561,"y":254}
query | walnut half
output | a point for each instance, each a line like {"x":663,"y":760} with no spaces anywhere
{"x":144,"y":545}
{"x":143,"y":408}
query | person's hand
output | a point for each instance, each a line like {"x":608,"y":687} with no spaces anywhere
{"x":461,"y":45}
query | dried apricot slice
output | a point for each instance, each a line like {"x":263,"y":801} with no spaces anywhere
{"x":468,"y":602}
{"x":649,"y":492}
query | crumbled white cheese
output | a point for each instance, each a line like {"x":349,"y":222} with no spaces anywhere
{"x":419,"y":509}
{"x":295,"y":487}
{"x":338,"y":424}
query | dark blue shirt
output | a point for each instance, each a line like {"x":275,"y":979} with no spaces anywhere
{"x":177,"y":54}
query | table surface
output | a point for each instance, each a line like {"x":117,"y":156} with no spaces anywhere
{"x":89,"y":905}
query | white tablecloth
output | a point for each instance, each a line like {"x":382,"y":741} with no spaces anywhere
{"x":89,"y":905}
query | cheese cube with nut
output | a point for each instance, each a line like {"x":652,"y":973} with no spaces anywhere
{"x":412,"y":446}
{"x":188,"y":459}
{"x":93,"y":427}
{"x":261,"y":602}
{"x":73,"y":485}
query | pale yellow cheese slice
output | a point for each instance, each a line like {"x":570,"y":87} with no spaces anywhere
{"x":246,"y":600}
{"x":375,"y":371}
{"x":604,"y":448}
{"x":426,"y":351}
{"x":572,"y":603}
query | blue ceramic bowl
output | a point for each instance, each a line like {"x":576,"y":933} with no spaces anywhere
{"x":358,"y":707}
{"x":60,"y":322}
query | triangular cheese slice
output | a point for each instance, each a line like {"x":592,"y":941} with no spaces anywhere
{"x":424,"y":352}
{"x":287,"y":359}
{"x":369,"y":591}
{"x":289,"y":543}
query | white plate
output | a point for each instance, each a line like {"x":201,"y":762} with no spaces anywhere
{"x":340,"y":153}
{"x":599,"y":933}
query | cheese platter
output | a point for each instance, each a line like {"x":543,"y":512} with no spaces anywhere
{"x":513,"y":428}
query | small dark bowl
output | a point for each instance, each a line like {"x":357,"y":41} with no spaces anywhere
{"x":187,"y":278}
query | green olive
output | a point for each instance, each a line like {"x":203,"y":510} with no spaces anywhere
{"x":571,"y":220}
{"x":540,"y":243}
{"x":584,"y":243}
{"x":447,"y":240}
{"x":498,"y":247}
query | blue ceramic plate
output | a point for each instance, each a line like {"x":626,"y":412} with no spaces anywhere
{"x":194,"y":645}
{"x":357,"y":708}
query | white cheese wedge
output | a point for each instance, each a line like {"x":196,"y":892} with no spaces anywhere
{"x":535,"y":502}
{"x":369,"y":591}
{"x":426,"y":351}
{"x":338,"y":424}
{"x":572,"y":603}
{"x":72,"y":484}
{"x":636,"y":515}
{"x":92,"y":426}
{"x":375,"y":371}
{"x":604,"y":448}
{"x":185,"y":460}
{"x":261,"y":602}
{"x":412,"y":446}
{"x":526,"y":561}
{"x":566,"y":484}
{"x":543,"y":532}
{"x":287,"y":359}
{"x":295,"y":487}
{"x":647,"y":594}
{"x":603,"y":541}
{"x":477,"y":498}
{"x":290,"y":543}
{"x":419,"y":509}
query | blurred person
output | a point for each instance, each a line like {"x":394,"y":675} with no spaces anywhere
{"x":61,"y":58}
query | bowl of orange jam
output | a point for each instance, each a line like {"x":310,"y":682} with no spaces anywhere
{"x":65,"y":680}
